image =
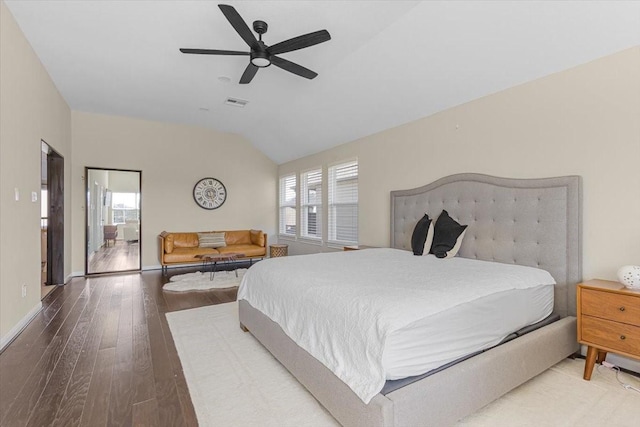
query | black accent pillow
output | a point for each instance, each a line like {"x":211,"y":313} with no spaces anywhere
{"x":419,"y":236}
{"x":446,"y":235}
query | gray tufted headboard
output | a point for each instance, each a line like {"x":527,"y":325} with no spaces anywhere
{"x":534,"y":222}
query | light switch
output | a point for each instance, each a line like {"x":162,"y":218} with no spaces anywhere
{"x":17,"y":193}
{"x":34,"y":196}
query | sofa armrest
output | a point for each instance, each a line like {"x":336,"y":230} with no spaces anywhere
{"x":161,"y":237}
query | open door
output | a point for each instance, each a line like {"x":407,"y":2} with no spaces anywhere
{"x":52,"y":225}
{"x":113,"y":220}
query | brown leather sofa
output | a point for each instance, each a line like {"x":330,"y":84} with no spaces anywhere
{"x":183,"y":248}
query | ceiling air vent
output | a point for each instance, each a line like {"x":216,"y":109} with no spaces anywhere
{"x":236,"y":102}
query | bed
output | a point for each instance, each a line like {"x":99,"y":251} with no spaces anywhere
{"x":535,"y":222}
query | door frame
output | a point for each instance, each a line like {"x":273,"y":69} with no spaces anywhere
{"x":86,"y":220}
{"x":55,"y":216}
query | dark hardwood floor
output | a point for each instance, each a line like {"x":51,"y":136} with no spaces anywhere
{"x":100,"y":353}
{"x":117,"y":256}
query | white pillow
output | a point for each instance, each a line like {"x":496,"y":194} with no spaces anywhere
{"x":453,"y":252}
{"x":429,"y":241}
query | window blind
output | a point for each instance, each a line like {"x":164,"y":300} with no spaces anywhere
{"x":288,"y":205}
{"x":311,"y":204}
{"x":343,"y":203}
{"x":125,"y":206}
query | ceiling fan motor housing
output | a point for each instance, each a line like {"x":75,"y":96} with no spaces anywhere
{"x":260,"y":27}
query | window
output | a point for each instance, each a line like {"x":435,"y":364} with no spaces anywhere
{"x":125,"y":206}
{"x":311,"y":204}
{"x":343,"y":202}
{"x":288,"y":205}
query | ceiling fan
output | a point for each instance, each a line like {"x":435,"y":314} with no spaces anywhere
{"x":260,"y":54}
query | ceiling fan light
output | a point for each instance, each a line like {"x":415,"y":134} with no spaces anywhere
{"x":260,"y":59}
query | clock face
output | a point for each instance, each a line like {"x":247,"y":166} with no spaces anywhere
{"x":209,"y":193}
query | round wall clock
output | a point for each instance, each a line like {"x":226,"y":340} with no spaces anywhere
{"x":209,"y":193}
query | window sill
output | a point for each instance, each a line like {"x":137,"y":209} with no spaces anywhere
{"x":310,"y":241}
{"x":288,"y":237}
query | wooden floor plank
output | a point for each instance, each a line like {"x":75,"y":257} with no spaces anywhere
{"x":145,"y":414}
{"x":96,"y":405}
{"x":110,"y":334}
{"x":143,"y":383}
{"x":120,"y":408}
{"x":72,"y":404}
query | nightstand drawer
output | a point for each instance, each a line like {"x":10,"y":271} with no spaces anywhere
{"x":612,"y":335}
{"x":607,"y":305}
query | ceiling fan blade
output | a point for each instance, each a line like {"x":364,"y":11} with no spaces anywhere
{"x":239,"y":25}
{"x":213,"y":52}
{"x":293,"y":67}
{"x":300,"y":42}
{"x":248,"y":74}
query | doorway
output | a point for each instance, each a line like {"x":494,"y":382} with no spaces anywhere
{"x":51,"y":219}
{"x":113,"y":220}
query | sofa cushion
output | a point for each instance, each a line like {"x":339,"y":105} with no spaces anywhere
{"x":187,"y":254}
{"x":237,"y":237}
{"x":257,"y":237}
{"x":185,"y":240}
{"x":246,"y":250}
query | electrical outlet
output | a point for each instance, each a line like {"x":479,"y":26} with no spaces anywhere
{"x":24,"y":291}
{"x":34,"y":196}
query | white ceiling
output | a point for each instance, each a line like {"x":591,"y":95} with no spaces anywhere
{"x":388,"y":63}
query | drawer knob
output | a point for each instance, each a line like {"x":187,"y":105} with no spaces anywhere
{"x":621,"y":309}
{"x":622,"y":337}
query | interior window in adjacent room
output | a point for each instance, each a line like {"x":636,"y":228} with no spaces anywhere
{"x":343,"y":203}
{"x":311,"y":204}
{"x":288,"y":205}
{"x":125,"y":206}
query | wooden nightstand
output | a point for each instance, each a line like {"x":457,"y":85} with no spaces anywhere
{"x":608,"y":321}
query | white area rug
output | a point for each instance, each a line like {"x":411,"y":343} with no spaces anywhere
{"x":234,"y":381}
{"x":201,"y":281}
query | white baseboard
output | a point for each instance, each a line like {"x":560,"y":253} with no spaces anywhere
{"x":19,"y":327}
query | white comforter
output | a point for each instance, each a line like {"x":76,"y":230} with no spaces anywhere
{"x":340,"y":307}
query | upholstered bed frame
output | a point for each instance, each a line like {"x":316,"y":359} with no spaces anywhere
{"x":534,"y":222}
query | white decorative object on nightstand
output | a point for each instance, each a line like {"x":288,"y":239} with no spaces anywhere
{"x":629,"y":275}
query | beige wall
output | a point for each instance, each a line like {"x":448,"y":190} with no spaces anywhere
{"x":172,"y":158}
{"x":31,"y":109}
{"x":583,"y":121}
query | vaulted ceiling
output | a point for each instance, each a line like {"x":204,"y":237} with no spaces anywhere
{"x":387,"y":63}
